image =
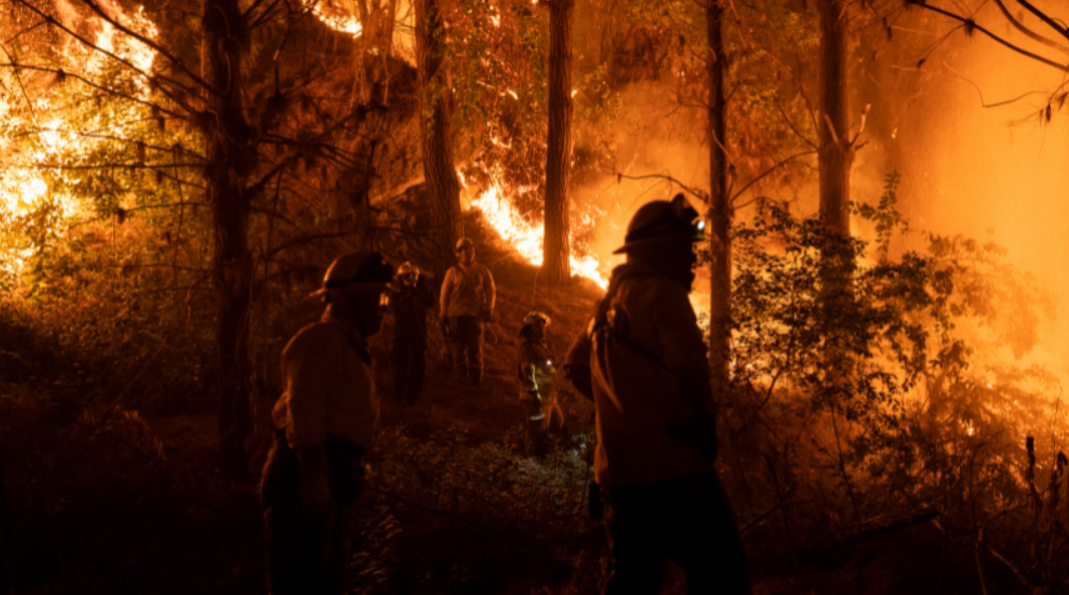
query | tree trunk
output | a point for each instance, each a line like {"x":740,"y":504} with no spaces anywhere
{"x":720,"y":213}
{"x":230,"y":160}
{"x":556,"y":252}
{"x":834,"y":160}
{"x":443,"y":188}
{"x":836,"y":152}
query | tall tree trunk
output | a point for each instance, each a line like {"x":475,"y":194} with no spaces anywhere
{"x":836,"y":152}
{"x":230,"y":160}
{"x":834,"y":159}
{"x":443,"y":188}
{"x":720,"y":212}
{"x":556,"y":252}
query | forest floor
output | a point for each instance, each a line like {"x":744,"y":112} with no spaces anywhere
{"x":114,"y":501}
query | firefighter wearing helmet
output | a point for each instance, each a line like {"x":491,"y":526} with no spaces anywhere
{"x":325,"y":424}
{"x":410,"y":298}
{"x":467,"y":303}
{"x":643,"y":363}
{"x":536,"y":368}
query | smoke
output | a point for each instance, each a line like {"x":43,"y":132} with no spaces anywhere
{"x":993,"y":173}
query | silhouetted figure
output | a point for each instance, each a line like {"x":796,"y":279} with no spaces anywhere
{"x":536,"y":368}
{"x":326,"y":422}
{"x":643,"y":362}
{"x":467,"y":303}
{"x":409,"y":301}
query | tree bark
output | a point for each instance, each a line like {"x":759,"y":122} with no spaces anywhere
{"x":556,"y":251}
{"x":443,"y":188}
{"x":230,"y":159}
{"x":836,"y":152}
{"x":720,"y":212}
{"x":834,"y":159}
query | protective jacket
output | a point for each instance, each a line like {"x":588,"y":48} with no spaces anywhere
{"x":468,"y":291}
{"x":643,"y":362}
{"x":536,"y":367}
{"x":329,"y":389}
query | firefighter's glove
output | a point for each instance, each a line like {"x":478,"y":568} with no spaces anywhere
{"x":700,"y":435}
{"x":315,"y":479}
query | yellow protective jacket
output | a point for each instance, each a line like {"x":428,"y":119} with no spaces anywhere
{"x":329,"y":388}
{"x":536,"y":368}
{"x":649,"y":378}
{"x":468,"y":291}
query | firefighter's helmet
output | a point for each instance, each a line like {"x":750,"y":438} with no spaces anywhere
{"x":407,"y":273}
{"x":358,"y":268}
{"x":463,"y":243}
{"x":532,"y":319}
{"x":535,"y":317}
{"x":663,"y":220}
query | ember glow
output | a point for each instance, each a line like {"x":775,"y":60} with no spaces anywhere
{"x":526,"y":238}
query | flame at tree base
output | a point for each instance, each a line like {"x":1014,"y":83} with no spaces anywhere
{"x":527,"y":238}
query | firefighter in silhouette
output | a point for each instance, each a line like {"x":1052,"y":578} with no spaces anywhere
{"x":325,"y":424}
{"x":642,"y":361}
{"x":409,"y":301}
{"x":467,"y":303}
{"x":536,"y":368}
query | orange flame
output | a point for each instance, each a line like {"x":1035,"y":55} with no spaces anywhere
{"x":526,"y":238}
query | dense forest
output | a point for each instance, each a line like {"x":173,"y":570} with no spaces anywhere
{"x":884,"y":188}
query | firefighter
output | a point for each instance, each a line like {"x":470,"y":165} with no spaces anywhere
{"x":467,"y":304}
{"x":536,"y":369}
{"x":643,"y":362}
{"x":325,"y":424}
{"x":409,"y":301}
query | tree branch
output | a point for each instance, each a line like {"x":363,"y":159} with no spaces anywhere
{"x":1028,"y":32}
{"x":1063,"y":31}
{"x":150,"y":43}
{"x":971,"y":25}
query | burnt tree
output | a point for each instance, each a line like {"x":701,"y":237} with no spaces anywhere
{"x":556,"y":253}
{"x":229,"y":161}
{"x":443,"y":188}
{"x":720,"y":212}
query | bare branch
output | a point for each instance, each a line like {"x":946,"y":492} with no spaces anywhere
{"x":52,"y":21}
{"x":973,"y":26}
{"x":92,"y":84}
{"x":770,"y":170}
{"x":150,"y":43}
{"x":1028,"y":32}
{"x":1062,"y":30}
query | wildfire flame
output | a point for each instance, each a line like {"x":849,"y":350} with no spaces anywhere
{"x":526,"y":238}
{"x":24,"y":189}
{"x":345,"y":24}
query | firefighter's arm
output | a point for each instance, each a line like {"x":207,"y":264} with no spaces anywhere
{"x":685,"y":356}
{"x":443,"y":300}
{"x":576,"y":366}
{"x":310,"y":362}
{"x":489,"y":290}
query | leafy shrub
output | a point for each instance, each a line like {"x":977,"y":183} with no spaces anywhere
{"x":871,"y":384}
